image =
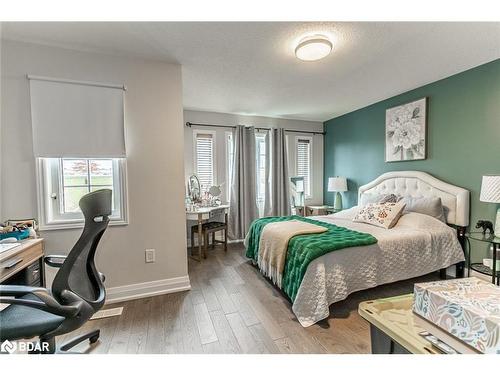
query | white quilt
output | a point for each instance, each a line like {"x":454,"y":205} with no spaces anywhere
{"x":418,"y":244}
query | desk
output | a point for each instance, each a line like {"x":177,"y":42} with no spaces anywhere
{"x":201,"y":215}
{"x":27,"y":257}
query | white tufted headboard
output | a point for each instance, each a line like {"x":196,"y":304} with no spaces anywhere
{"x":420,"y":184}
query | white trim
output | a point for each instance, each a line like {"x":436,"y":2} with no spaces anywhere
{"x":147,"y":289}
{"x":43,"y":204}
{"x":75,"y":82}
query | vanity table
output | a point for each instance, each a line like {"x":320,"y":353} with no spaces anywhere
{"x":202,"y":215}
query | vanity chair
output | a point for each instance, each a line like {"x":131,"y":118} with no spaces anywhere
{"x":77,"y":291}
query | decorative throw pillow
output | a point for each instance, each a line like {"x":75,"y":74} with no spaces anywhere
{"x":379,"y":198}
{"x":431,"y":206}
{"x":390,"y":198}
{"x":384,"y":215}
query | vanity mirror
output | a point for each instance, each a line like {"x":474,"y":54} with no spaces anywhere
{"x":194,"y":189}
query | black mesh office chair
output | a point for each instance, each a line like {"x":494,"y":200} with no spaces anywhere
{"x":77,"y":291}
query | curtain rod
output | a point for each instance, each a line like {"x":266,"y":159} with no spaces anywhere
{"x":75,"y":82}
{"x":189,"y":124}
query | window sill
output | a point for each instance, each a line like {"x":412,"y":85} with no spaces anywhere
{"x":76,"y":225}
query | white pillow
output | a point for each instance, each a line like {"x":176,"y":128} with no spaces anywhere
{"x":384,"y":215}
{"x":370,"y":198}
{"x":431,"y":206}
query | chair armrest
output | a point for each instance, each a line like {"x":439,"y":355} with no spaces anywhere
{"x":46,"y":301}
{"x":55,"y":261}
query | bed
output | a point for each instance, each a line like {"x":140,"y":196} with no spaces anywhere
{"x":417,"y":245}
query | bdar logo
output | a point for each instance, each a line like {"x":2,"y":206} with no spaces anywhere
{"x":8,"y":347}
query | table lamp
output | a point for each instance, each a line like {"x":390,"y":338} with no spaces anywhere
{"x":338,"y":185}
{"x":490,"y":193}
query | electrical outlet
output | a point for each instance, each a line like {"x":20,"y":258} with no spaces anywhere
{"x":150,"y":255}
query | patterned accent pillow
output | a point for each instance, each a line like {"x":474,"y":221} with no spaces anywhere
{"x":384,"y":215}
{"x":390,"y":198}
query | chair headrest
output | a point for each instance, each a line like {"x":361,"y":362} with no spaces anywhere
{"x":97,"y":203}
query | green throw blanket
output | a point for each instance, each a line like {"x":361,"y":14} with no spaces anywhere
{"x":303,"y":249}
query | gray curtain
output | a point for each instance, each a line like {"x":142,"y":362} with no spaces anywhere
{"x":277,"y":201}
{"x":243,"y":204}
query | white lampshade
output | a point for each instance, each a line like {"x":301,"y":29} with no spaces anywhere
{"x":490,"y":189}
{"x":337,"y":184}
{"x":299,"y":186}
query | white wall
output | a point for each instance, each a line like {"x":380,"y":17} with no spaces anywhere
{"x":264,"y":122}
{"x":155,"y":149}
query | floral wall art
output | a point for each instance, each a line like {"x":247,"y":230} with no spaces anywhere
{"x":405,"y":131}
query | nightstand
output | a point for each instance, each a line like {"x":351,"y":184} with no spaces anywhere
{"x":480,"y":267}
{"x":318,"y":210}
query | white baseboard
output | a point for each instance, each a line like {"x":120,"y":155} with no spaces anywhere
{"x":147,"y":289}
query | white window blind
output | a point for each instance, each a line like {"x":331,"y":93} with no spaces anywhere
{"x":204,"y":151}
{"x":72,"y":119}
{"x":304,"y":163}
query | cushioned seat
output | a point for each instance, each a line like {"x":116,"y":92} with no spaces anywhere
{"x":209,"y":226}
{"x":34,"y":322}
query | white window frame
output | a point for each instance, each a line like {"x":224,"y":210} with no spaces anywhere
{"x":49,"y":182}
{"x":228,"y":137}
{"x":259,"y":138}
{"x":311,"y":153}
{"x":214,"y":149}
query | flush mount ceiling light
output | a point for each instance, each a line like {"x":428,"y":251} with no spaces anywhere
{"x":314,"y":47}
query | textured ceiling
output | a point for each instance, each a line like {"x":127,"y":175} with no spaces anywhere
{"x":250,"y":68}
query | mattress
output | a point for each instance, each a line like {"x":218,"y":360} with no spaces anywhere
{"x":417,"y":245}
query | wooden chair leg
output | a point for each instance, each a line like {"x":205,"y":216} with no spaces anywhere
{"x":192,"y":242}
{"x":205,"y":246}
{"x":225,"y":240}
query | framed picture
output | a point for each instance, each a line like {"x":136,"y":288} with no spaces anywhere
{"x":406,"y":131}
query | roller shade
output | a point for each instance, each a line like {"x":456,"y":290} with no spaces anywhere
{"x":76,"y":119}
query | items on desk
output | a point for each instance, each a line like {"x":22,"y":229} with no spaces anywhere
{"x":19,"y":232}
{"x":18,"y":229}
{"x":196,"y":199}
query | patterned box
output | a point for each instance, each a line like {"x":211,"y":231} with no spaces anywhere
{"x":469,"y":309}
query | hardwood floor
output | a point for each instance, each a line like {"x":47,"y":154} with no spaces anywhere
{"x":231,"y":308}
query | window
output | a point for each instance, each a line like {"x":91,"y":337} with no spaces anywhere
{"x":260,"y":140}
{"x":63,"y":181}
{"x":229,"y":163}
{"x":204,"y":158}
{"x":303,"y":162}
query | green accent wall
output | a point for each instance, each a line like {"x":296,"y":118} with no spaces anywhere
{"x":463,"y":137}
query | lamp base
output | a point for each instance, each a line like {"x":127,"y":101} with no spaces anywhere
{"x":338,"y":203}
